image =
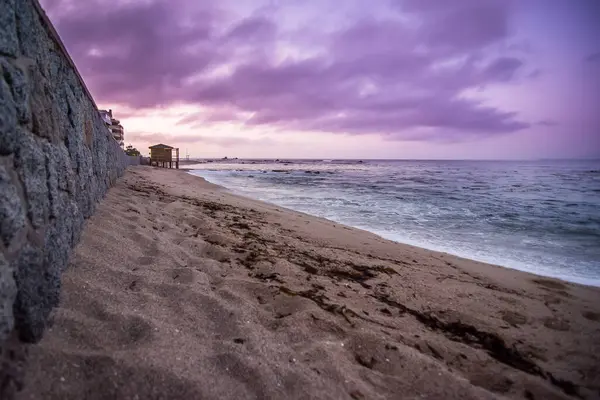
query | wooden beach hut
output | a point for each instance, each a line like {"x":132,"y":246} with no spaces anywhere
{"x":162,"y":156}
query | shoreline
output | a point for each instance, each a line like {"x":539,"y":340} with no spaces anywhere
{"x":180,"y":288}
{"x":426,"y":246}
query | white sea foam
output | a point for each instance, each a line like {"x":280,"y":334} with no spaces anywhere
{"x":537,"y":217}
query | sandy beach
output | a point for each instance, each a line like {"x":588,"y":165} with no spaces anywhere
{"x":181,"y":289}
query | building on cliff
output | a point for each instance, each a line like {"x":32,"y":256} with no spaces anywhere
{"x":114,"y":126}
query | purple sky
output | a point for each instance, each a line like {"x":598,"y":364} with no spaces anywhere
{"x":354,"y":78}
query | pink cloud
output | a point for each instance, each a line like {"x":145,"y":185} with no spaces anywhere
{"x":376,"y":75}
{"x":178,"y":140}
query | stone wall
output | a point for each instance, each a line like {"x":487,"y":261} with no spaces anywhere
{"x":57,"y":160}
{"x":135,"y":160}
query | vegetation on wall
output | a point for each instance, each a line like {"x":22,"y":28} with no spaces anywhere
{"x":131,"y":151}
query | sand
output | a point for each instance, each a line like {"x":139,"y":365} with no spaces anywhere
{"x":180,"y":289}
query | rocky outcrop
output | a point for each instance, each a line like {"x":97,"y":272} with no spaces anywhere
{"x":57,"y":160}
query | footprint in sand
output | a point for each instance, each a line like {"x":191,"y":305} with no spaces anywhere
{"x":592,"y":316}
{"x":134,"y":330}
{"x":145,"y":260}
{"x":219,"y":240}
{"x":112,"y":331}
{"x":182,"y":275}
{"x":549,"y":300}
{"x":246,"y":374}
{"x":556,"y":324}
{"x":513,"y":318}
{"x":508,"y":300}
{"x":553,"y":286}
{"x":550,"y":284}
{"x":153,"y":250}
{"x":216,"y":253}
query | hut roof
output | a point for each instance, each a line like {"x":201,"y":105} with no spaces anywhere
{"x":161,"y":146}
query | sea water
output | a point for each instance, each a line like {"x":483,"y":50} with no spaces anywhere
{"x":541,"y":217}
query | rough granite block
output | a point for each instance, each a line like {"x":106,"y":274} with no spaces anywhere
{"x":12,"y":216}
{"x":8,"y":291}
{"x":9,"y":43}
{"x":38,"y":291}
{"x":30,"y":161}
{"x":16,"y":77}
{"x":8,"y":116}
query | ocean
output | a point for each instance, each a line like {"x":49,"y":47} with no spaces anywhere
{"x":538,"y":216}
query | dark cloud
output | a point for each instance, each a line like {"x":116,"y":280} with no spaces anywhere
{"x":210,"y":116}
{"x":137,"y":53}
{"x":252,"y":29}
{"x":464,"y":25}
{"x":179,"y":140}
{"x":594,"y":57}
{"x":502,"y":69}
{"x":380,"y":76}
{"x":548,"y":122}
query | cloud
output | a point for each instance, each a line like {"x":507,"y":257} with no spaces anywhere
{"x":136,"y":53}
{"x":502,"y":69}
{"x":548,"y":122}
{"x":252,"y":29}
{"x":211,"y":116}
{"x":594,"y":57}
{"x":460,"y":26}
{"x":179,"y":140}
{"x":403,"y":69}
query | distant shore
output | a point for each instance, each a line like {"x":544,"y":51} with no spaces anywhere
{"x":180,"y":288}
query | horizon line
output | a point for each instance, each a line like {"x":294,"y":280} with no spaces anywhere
{"x":390,"y":159}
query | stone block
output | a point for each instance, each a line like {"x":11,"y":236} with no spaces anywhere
{"x":52,"y":173}
{"x":12,"y":216}
{"x":44,"y":113}
{"x":38,"y":292}
{"x":77,"y":222}
{"x":8,"y":291}
{"x":63,"y":166}
{"x":33,"y":39}
{"x":58,"y":240}
{"x":30,"y":162}
{"x":8,"y":117}
{"x":9,"y":42}
{"x":16,"y":76}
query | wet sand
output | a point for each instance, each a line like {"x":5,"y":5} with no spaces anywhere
{"x":180,"y":289}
